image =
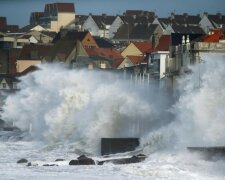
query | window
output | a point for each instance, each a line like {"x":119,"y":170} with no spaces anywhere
{"x":4,"y":85}
{"x":14,"y":85}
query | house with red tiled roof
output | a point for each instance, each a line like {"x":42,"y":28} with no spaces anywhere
{"x":68,"y":45}
{"x":137,"y":49}
{"x":54,"y":17}
{"x":215,"y":35}
{"x":164,"y":43}
{"x":131,"y":61}
{"x":101,"y":58}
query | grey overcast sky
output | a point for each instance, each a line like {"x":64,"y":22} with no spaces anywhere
{"x":18,"y":11}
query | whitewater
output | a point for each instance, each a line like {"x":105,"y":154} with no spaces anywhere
{"x":63,"y":113}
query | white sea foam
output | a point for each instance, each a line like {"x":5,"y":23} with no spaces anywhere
{"x":79,"y":106}
{"x":74,"y":109}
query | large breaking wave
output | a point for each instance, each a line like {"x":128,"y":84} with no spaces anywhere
{"x":70,"y":106}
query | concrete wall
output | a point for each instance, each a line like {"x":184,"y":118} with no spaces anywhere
{"x":65,"y":18}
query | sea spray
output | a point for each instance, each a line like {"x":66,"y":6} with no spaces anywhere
{"x":82,"y":106}
{"x":200,"y":110}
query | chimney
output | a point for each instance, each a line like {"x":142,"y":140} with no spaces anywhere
{"x":172,"y":15}
{"x":219,"y":15}
{"x":104,"y":15}
{"x":206,"y":14}
{"x":185,"y":15}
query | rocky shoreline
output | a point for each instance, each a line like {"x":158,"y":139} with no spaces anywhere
{"x":84,"y":160}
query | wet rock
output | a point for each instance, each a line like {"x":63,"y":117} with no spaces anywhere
{"x":87,"y":161}
{"x":22,"y":160}
{"x":60,"y":160}
{"x":100,"y":162}
{"x":133,"y":159}
{"x":74,"y":162}
{"x":50,"y":165}
{"x":29,"y":164}
{"x":82,"y":160}
{"x":82,"y":157}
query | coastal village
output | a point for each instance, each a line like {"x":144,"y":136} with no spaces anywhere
{"x":137,"y":43}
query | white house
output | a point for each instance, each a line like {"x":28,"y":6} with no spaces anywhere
{"x":209,"y":22}
{"x":118,"y":22}
{"x":157,"y":63}
{"x":98,"y":25}
{"x":91,"y":26}
{"x":163,"y":23}
{"x":115,"y":26}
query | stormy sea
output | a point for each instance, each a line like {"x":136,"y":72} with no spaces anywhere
{"x":63,"y":113}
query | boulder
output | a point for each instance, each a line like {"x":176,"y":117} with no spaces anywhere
{"x":22,"y":161}
{"x":60,"y":160}
{"x":82,"y":160}
{"x":134,"y":159}
{"x":29,"y":164}
{"x":87,"y":161}
{"x":100,"y":162}
{"x":50,"y":165}
{"x":74,"y":162}
{"x":82,"y":157}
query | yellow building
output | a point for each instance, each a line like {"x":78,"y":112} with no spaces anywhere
{"x":137,"y":49}
{"x":31,"y":55}
{"x":55,"y":16}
